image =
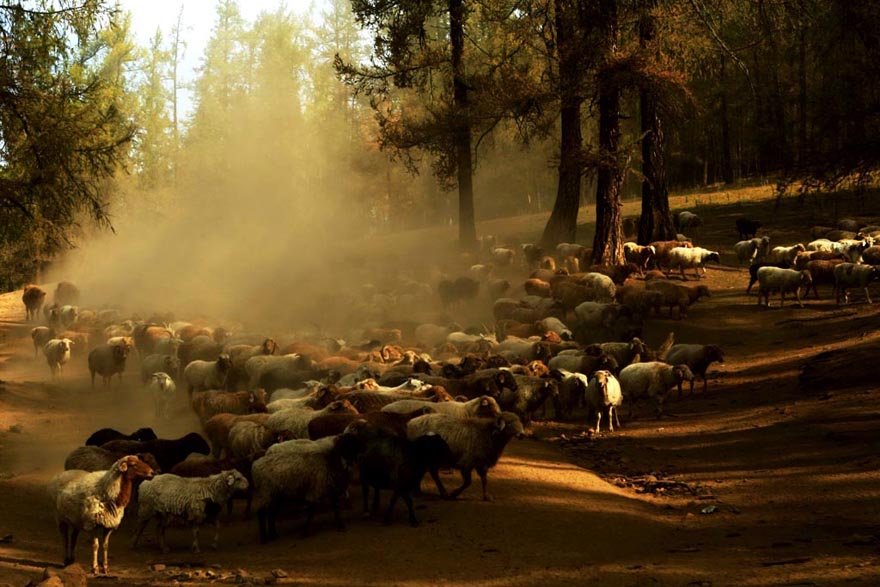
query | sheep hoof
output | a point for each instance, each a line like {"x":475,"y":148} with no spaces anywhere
{"x":196,"y":550}
{"x":95,"y":570}
{"x":488,"y":497}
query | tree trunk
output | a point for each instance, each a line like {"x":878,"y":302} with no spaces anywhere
{"x":726,"y":158}
{"x":562,"y":224}
{"x":467,"y":229}
{"x":654,"y":222}
{"x":608,"y":242}
{"x":802,"y":89}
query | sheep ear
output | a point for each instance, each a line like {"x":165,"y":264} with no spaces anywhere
{"x":123,"y":467}
{"x":230,"y":480}
{"x":484,"y":402}
{"x":501,"y":423}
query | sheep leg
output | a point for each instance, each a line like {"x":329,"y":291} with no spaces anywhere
{"x":616,"y":417}
{"x":781,"y":299}
{"x":195,"y":544}
{"x":867,"y":295}
{"x":466,"y":478}
{"x":95,"y":545}
{"x":610,"y":421}
{"x":105,"y":547}
{"x":142,"y":525}
{"x":435,"y":475}
{"x":68,"y":538}
{"x":390,"y":511}
{"x":484,"y":479}
{"x":161,"y":531}
{"x":598,"y":420}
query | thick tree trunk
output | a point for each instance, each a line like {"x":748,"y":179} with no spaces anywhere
{"x":654,"y":222}
{"x":608,"y":242}
{"x":562,"y":224}
{"x":467,"y":229}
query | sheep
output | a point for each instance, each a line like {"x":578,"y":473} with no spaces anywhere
{"x":821,"y":272}
{"x":871,"y":255}
{"x":851,"y":275}
{"x":192,"y":501}
{"x":572,"y":388}
{"x":207,"y":404}
{"x":147,"y":336}
{"x":850,"y":224}
{"x":785,"y":254}
{"x":461,"y":290}
{"x":582,"y":363}
{"x":618,"y":273}
{"x":531,"y":254}
{"x":163,"y":390}
{"x":595,"y":321}
{"x":40,"y":336}
{"x":482,"y":406}
{"x":821,"y":244}
{"x":32,"y":297}
{"x":295,"y":422}
{"x":92,"y":501}
{"x":640,"y":256}
{"x":301,"y":471}
{"x":503,"y":257}
{"x":662,"y":249}
{"x":333,"y":424}
{"x":552,"y":324}
{"x":167,"y":452}
{"x":95,"y":458}
{"x":57,"y":353}
{"x":687,"y":219}
{"x":747,"y":228}
{"x":679,"y":296}
{"x":752,"y":251}
{"x":602,"y":285}
{"x":753,"y":272}
{"x":105,"y":435}
{"x":497,"y":288}
{"x":629,"y":226}
{"x":626,"y":353}
{"x":802,"y":259}
{"x":387,"y":460}
{"x":697,"y":357}
{"x":474,"y":443}
{"x":153,"y":364}
{"x":217,"y":429}
{"x":514,"y":349}
{"x":537,"y":287}
{"x":482,"y":382}
{"x":201,"y":375}
{"x":652,"y":379}
{"x":685,"y":258}
{"x":820,"y":231}
{"x":603,"y":396}
{"x":250,"y":440}
{"x":784,"y":281}
{"x":639,"y":300}
{"x":564,"y":250}
{"x":530,"y":395}
{"x":107,"y":361}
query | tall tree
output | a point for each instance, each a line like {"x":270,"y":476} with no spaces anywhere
{"x":608,"y":240}
{"x":654,"y":221}
{"x":65,"y":120}
{"x":404,"y":57}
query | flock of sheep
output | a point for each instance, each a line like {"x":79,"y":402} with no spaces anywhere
{"x":286,"y":419}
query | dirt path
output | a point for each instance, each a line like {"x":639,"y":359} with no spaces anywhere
{"x":791,"y":481}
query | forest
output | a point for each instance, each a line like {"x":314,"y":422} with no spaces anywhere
{"x":388,"y":116}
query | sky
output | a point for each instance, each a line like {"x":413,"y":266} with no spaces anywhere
{"x":197,"y":22}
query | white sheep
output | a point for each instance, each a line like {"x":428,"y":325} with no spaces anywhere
{"x":480,"y":406}
{"x":851,"y":249}
{"x":652,"y":379}
{"x":295,"y":421}
{"x":603,"y":395}
{"x":779,"y":255}
{"x":186,"y":500}
{"x":301,"y":471}
{"x":203,"y":375}
{"x":474,"y":443}
{"x":503,"y":256}
{"x":772,"y":279}
{"x":94,"y":501}
{"x":691,"y":258}
{"x":752,"y":250}
{"x":556,"y":325}
{"x":602,"y":286}
{"x":851,"y":275}
{"x":820,"y":244}
{"x":68,"y":315}
{"x":57,"y":353}
{"x":163,"y":390}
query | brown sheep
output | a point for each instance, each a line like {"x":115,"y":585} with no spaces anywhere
{"x":537,"y":287}
{"x":821,"y":272}
{"x":801,"y":260}
{"x":190,"y":331}
{"x":383,"y":335}
{"x":548,"y":263}
{"x":33,"y":297}
{"x":638,"y":299}
{"x":41,"y":335}
{"x":210,"y":403}
{"x":66,"y":294}
{"x":617,"y":273}
{"x":871,"y":255}
{"x":680,"y":296}
{"x":217,"y":428}
{"x":662,"y":250}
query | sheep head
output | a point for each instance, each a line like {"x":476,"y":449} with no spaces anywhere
{"x":714,"y":353}
{"x":133,"y":468}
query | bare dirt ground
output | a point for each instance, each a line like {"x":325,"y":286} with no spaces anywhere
{"x":754,"y":483}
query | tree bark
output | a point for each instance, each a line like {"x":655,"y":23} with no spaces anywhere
{"x":726,"y":158}
{"x":608,"y":242}
{"x":467,"y":229}
{"x":654,"y":222}
{"x":802,"y":88}
{"x":562,"y":224}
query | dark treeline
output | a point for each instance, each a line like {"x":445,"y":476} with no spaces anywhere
{"x":432,"y":112}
